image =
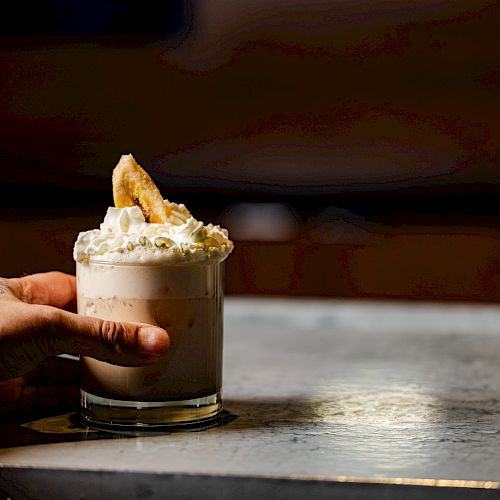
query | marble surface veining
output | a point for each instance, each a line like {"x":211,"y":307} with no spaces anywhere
{"x":328,"y":388}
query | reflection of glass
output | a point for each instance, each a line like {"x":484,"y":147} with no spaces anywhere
{"x":183,"y":387}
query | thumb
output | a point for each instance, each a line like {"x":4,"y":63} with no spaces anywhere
{"x":125,"y":344}
{"x":29,"y":333}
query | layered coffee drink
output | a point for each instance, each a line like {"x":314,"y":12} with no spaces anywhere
{"x":168,"y":274}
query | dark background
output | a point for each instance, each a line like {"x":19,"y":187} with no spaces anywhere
{"x":350,"y":147}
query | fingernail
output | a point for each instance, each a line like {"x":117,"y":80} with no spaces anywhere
{"x":153,"y":342}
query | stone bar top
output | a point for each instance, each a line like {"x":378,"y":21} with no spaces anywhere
{"x":323,"y":399}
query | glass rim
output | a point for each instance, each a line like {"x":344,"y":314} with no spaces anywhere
{"x":185,"y":264}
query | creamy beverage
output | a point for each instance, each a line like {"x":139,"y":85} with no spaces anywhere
{"x":191,"y":314}
{"x":168,"y":274}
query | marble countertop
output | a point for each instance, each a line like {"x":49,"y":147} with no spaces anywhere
{"x":356,"y":399}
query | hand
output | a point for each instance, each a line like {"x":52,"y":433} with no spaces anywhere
{"x":36,"y":323}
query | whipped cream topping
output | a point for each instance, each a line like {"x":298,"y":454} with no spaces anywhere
{"x":125,"y":236}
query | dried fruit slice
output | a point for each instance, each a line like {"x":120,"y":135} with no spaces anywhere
{"x":133,"y":186}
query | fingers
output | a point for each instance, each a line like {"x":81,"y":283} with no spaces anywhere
{"x":55,"y":371}
{"x":53,"y":383}
{"x":18,"y":394}
{"x":53,"y":288}
{"x":13,"y":394}
{"x":5,"y":288}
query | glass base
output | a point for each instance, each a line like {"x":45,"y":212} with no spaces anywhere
{"x":116,"y":414}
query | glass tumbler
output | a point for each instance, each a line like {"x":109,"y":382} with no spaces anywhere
{"x":184,"y":386}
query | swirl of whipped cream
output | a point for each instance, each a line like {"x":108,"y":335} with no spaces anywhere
{"x":125,"y":236}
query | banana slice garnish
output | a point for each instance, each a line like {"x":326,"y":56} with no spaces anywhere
{"x":133,"y":186}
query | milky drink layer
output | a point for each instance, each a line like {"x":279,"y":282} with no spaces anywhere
{"x":186,"y":300}
{"x":105,"y":280}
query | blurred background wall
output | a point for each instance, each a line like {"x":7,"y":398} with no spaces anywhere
{"x":351,"y":147}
